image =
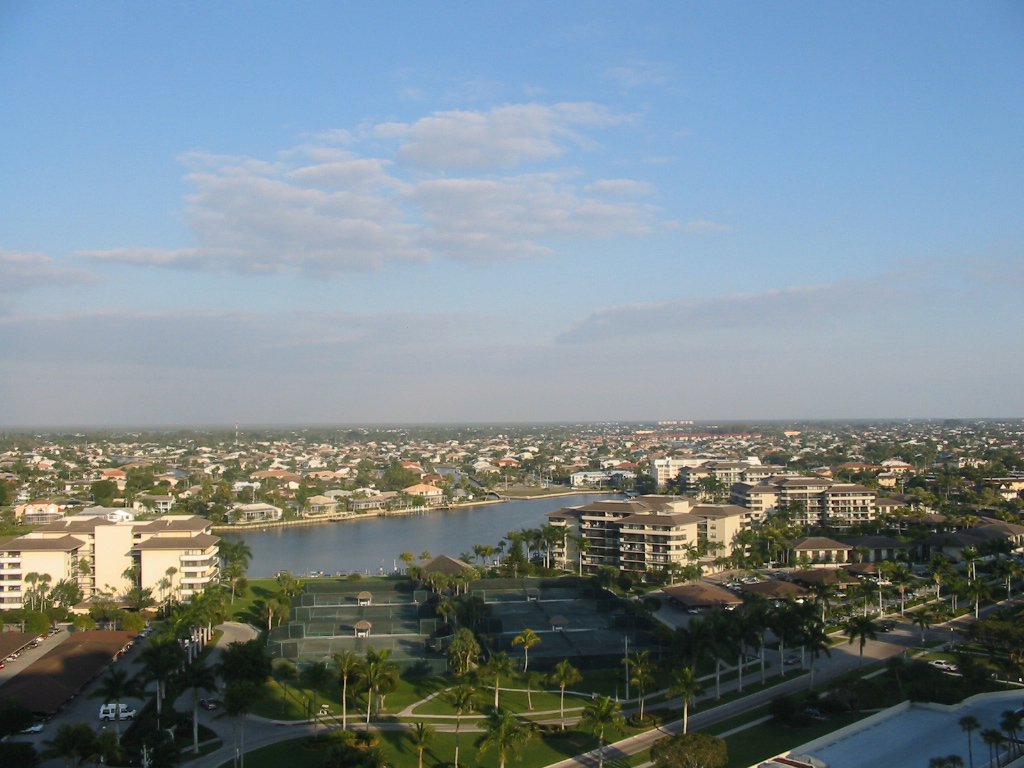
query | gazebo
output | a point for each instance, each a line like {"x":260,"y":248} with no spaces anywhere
{"x":363,"y":628}
{"x":558,"y":623}
{"x":364,"y":598}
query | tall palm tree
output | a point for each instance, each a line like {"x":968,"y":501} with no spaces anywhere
{"x":599,"y":715}
{"x":505,"y":733}
{"x":73,"y":743}
{"x":686,"y":685}
{"x":197,"y":677}
{"x":814,"y":640}
{"x":527,"y":638}
{"x":379,"y":674}
{"x":923,"y":618}
{"x":641,"y":674}
{"x":1010,"y":723}
{"x":239,"y":697}
{"x":993,"y":739}
{"x":969,"y":724}
{"x":498,"y":667}
{"x":346,"y":667}
{"x":160,"y":659}
{"x":863,"y":629}
{"x":564,"y":675}
{"x":422,"y":737}
{"x":113,"y":688}
{"x":462,"y":699}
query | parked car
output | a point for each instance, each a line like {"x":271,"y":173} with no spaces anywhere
{"x":945,"y":666}
{"x":34,"y":728}
{"x":208,"y":704}
{"x":109,"y":712}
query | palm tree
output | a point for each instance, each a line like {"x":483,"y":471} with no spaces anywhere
{"x":994,"y":739}
{"x":527,"y":638}
{"x":863,"y":629}
{"x":160,"y":659}
{"x":641,"y":674}
{"x":379,"y":674}
{"x":422,"y":737}
{"x":113,"y":688}
{"x":197,"y":677}
{"x":599,"y":715}
{"x":564,"y":675}
{"x":1010,"y":723}
{"x":814,"y":640}
{"x":505,"y":733}
{"x":686,"y":685}
{"x":499,"y":666}
{"x":969,"y":724}
{"x":923,"y":618}
{"x":462,"y":699}
{"x":239,"y":697}
{"x":72,"y":743}
{"x":346,"y":666}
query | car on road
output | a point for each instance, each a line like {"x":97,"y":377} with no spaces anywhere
{"x":945,"y":666}
{"x":887,"y":625}
{"x":791,"y":659}
{"x":34,"y":728}
{"x":110,"y":711}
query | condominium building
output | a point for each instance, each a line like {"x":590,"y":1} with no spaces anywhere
{"x":107,"y":558}
{"x":666,"y":469}
{"x":810,"y":501}
{"x":649,"y":532}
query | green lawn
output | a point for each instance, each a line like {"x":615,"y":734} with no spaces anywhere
{"x":750,"y":746}
{"x":400,"y":752}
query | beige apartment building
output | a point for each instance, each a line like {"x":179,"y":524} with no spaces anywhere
{"x":102,"y":555}
{"x":813,"y":501}
{"x":649,"y":532}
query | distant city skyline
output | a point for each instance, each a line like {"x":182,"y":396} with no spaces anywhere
{"x":508,"y":213}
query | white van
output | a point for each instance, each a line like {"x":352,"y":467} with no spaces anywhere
{"x":109,"y":712}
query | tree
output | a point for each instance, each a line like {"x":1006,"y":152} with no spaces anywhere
{"x":504,"y":733}
{"x":72,"y":743}
{"x":1010,"y":722}
{"x":564,"y":675}
{"x":860,"y":628}
{"x":379,"y":674}
{"x":346,"y":667}
{"x":422,"y":737}
{"x":239,"y":697}
{"x":923,"y":618}
{"x":160,"y":659}
{"x":600,"y":715}
{"x":686,"y":685}
{"x":113,"y":688}
{"x":993,"y":739}
{"x":236,"y":556}
{"x":527,"y":638}
{"x":969,"y":724}
{"x":462,"y":699}
{"x":499,"y":666}
{"x":641,"y":675}
{"x":463,"y":650}
{"x":197,"y":677}
{"x":245,"y":662}
{"x":691,"y":750}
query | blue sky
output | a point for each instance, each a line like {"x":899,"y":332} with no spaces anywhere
{"x":361,"y":212}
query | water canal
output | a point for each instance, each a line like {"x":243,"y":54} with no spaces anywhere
{"x":372,"y":546}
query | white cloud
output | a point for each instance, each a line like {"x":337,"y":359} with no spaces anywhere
{"x":705,"y":227}
{"x":503,"y":137}
{"x":328,"y":208}
{"x":765,"y":311}
{"x":638,"y":74}
{"x":25,"y":270}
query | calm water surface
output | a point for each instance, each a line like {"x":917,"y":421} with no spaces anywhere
{"x":372,"y":546}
